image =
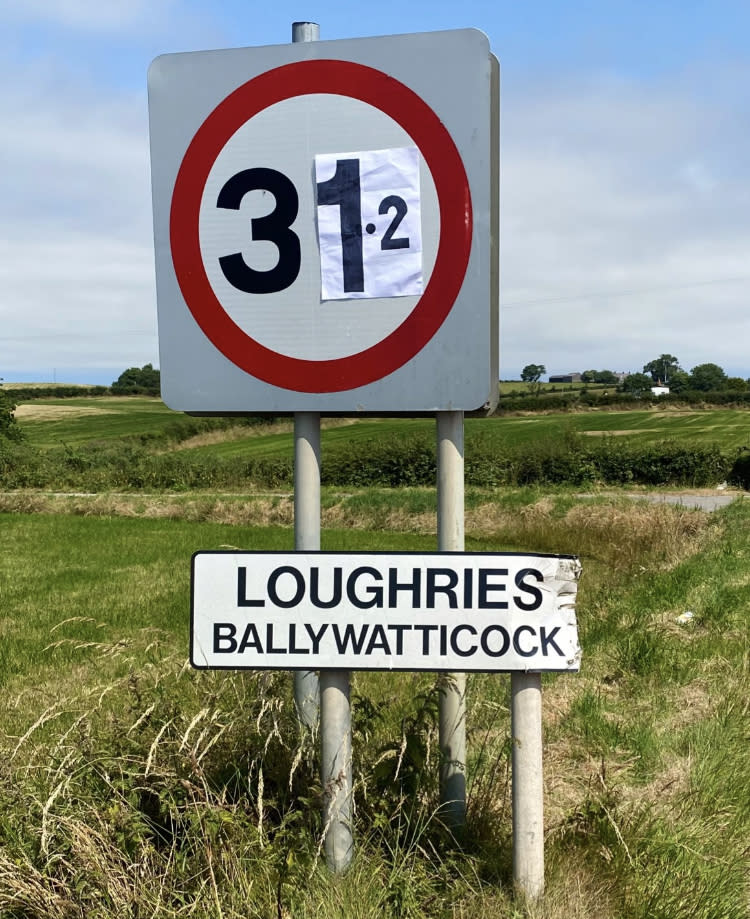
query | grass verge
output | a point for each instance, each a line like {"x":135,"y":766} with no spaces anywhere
{"x":130,"y":784}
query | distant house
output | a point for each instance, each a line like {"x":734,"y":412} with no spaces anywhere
{"x":660,"y":390}
{"x":566,"y":378}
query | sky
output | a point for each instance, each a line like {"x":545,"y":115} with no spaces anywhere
{"x":624,"y":158}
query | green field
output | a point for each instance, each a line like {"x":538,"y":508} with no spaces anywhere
{"x":52,"y":422}
{"x":132,"y":785}
{"x":727,"y":427}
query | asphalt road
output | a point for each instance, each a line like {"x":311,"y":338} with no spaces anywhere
{"x":702,"y":502}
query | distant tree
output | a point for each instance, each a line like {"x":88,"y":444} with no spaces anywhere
{"x":9,"y":430}
{"x":662,"y":368}
{"x":637,"y":384}
{"x":736,"y":384}
{"x":705,"y":377}
{"x":679,"y":381}
{"x":532,"y":373}
{"x":142,"y":381}
{"x":600,"y":376}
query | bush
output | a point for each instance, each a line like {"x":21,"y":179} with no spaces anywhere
{"x":394,"y":462}
{"x":740,"y":473}
{"x":144,"y":381}
{"x":664,"y":463}
{"x":9,"y":430}
{"x":30,"y":393}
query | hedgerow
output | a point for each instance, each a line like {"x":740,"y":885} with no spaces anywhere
{"x":568,"y":400}
{"x":390,"y":462}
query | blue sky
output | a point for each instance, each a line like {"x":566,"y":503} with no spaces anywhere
{"x":625,"y":188}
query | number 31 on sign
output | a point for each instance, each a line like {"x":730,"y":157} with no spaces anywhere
{"x":369,"y":224}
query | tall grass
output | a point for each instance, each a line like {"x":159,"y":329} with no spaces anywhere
{"x":131,"y":785}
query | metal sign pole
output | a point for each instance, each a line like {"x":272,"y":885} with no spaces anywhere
{"x":307,"y":536}
{"x":335,"y":711}
{"x":528,"y":785}
{"x":306,"y":487}
{"x":450,"y":525}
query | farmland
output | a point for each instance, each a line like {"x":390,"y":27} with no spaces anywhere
{"x":133,"y":785}
{"x":51,"y":422}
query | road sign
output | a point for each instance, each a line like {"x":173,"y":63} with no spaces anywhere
{"x":322,"y":223}
{"x":384,"y":611}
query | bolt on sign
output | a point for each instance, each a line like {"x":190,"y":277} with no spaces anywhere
{"x":383,"y":611}
{"x":325,"y":225}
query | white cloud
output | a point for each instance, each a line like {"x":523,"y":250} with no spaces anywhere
{"x":624,"y":220}
{"x":76,"y":263}
{"x":78,"y":301}
{"x":89,"y":15}
{"x":625,"y":212}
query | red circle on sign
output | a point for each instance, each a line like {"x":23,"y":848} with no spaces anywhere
{"x":342,"y":78}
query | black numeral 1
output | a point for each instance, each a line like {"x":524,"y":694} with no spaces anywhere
{"x":343,"y":189}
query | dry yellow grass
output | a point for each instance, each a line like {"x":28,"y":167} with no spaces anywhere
{"x":32,"y":411}
{"x":615,"y":433}
{"x":616,"y":531}
{"x":243,"y":432}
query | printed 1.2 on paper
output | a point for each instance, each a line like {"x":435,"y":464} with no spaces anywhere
{"x":369,"y":224}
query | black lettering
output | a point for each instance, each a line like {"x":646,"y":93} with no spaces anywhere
{"x":550,"y":640}
{"x":375,"y":593}
{"x":485,"y":641}
{"x":414,"y":587}
{"x":425,"y":630}
{"x":315,"y":589}
{"x":273,"y":580}
{"x":399,"y":630}
{"x":485,"y":588}
{"x":250,"y":639}
{"x":443,"y":640}
{"x":350,"y":637}
{"x":468,"y":587}
{"x":293,"y":649}
{"x":242,"y":599}
{"x":528,"y":605}
{"x":517,"y":643}
{"x":224,"y":640}
{"x":315,"y":637}
{"x":448,"y":589}
{"x":462,"y":652}
{"x":378,"y":640}
{"x":269,"y":641}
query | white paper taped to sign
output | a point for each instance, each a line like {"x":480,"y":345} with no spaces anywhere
{"x":369,"y":224}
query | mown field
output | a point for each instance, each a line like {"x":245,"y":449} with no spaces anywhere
{"x":52,"y":422}
{"x":122,"y":444}
{"x":131,"y":785}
